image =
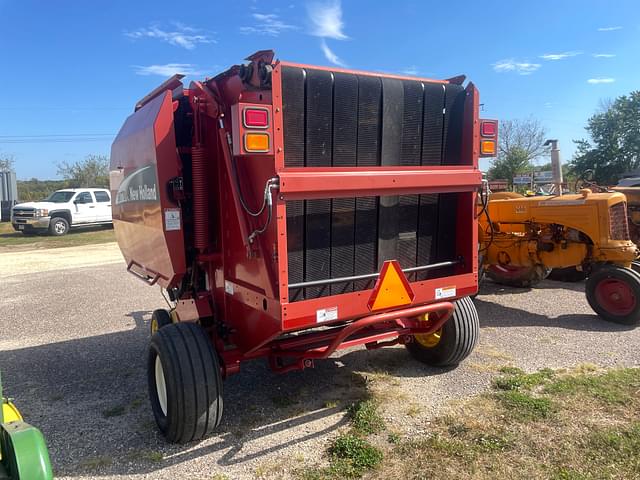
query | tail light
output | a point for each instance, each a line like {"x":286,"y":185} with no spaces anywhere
{"x":255,"y":117}
{"x":252,"y":130}
{"x":489,"y":140}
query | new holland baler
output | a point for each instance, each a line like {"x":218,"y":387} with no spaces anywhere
{"x":288,"y":211}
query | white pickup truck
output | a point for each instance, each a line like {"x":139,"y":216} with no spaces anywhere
{"x":63,"y":209}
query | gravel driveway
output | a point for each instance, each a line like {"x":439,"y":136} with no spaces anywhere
{"x":73,"y":353}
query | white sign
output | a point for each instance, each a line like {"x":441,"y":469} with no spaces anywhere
{"x":228,"y":287}
{"x":522,"y":180}
{"x":445,"y":292}
{"x":171,"y":219}
{"x":327,"y":314}
{"x":546,"y":176}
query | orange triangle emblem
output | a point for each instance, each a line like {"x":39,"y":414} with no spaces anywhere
{"x":392,"y":288}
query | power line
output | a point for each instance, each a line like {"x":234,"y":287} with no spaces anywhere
{"x":57,"y":138}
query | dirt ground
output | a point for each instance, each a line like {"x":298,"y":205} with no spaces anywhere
{"x":73,"y":355}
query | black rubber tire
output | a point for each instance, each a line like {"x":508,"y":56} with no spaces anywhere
{"x":630,"y":277}
{"x":527,"y":277}
{"x":458,"y":339}
{"x":162,"y":318}
{"x":568,"y":274}
{"x":58,"y":226}
{"x":191,"y":373}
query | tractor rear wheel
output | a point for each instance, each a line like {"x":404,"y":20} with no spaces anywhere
{"x":568,"y":274}
{"x":614,"y":293}
{"x":453,"y":342}
{"x":160,"y":318}
{"x":185,"y":384}
{"x":521,"y":277}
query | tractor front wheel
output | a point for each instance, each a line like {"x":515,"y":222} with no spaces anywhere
{"x":185,"y":384}
{"x":453,"y":342}
{"x":614,"y":293}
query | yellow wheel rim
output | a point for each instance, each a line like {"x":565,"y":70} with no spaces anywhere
{"x":154,"y":326}
{"x":10,"y":413}
{"x":429,"y":340}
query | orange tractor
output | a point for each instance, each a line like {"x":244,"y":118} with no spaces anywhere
{"x":523,"y":238}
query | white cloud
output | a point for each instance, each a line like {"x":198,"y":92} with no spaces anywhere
{"x":412,"y":70}
{"x":609,"y":29}
{"x":511,"y":65}
{"x":267,"y":24}
{"x":327,"y":20}
{"x":596,"y":81}
{"x":604,"y":55}
{"x":183,"y":36}
{"x":166,"y":70}
{"x":559,"y":56}
{"x":328,"y":53}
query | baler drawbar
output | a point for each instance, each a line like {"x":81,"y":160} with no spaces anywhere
{"x":289,"y":211}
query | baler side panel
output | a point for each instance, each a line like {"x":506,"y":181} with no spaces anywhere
{"x":143,"y":161}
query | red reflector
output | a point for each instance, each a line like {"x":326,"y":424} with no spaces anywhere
{"x":256,"y":118}
{"x":488,"y":129}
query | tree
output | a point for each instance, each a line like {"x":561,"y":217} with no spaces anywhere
{"x":6,"y":162}
{"x":93,"y":171}
{"x":519,"y":143}
{"x":614,"y":147}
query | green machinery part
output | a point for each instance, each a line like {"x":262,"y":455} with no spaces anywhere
{"x":23,"y":451}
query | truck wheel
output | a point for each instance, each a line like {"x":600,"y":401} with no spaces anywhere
{"x":453,"y":342}
{"x":185,"y":385}
{"x":614,"y":294}
{"x":160,"y":318}
{"x":569,"y":274}
{"x":521,"y":277}
{"x":58,"y":226}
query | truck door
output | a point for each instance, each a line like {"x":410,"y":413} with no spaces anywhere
{"x":84,"y":208}
{"x":103,"y":206}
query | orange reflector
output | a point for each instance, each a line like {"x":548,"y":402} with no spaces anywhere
{"x":488,"y":147}
{"x":392,"y":288}
{"x":256,"y":142}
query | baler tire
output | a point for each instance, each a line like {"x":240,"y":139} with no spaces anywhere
{"x":568,"y":274}
{"x":614,"y":293}
{"x":524,"y":277}
{"x":190,"y":373}
{"x":58,"y":226}
{"x":458,"y":338}
{"x":159,"y":319}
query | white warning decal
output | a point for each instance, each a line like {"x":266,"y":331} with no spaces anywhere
{"x":327,"y":314}
{"x":445,"y":292}
{"x":171,"y":219}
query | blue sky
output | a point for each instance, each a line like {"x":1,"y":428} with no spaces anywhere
{"x":77,"y":67}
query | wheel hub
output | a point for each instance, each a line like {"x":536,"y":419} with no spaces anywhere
{"x":161,"y":386}
{"x":429,"y":340}
{"x":615,"y":296}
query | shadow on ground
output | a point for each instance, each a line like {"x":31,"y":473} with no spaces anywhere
{"x":89,"y":397}
{"x":496,"y":315}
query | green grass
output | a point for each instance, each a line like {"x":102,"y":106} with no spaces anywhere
{"x":549,"y":424}
{"x":365,"y":418}
{"x":515,"y":379}
{"x":10,"y":239}
{"x":352,"y":455}
{"x":524,"y":407}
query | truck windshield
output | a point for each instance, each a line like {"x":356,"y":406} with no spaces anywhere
{"x":59,"y":197}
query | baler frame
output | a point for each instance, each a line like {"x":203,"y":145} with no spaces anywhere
{"x":230,"y":274}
